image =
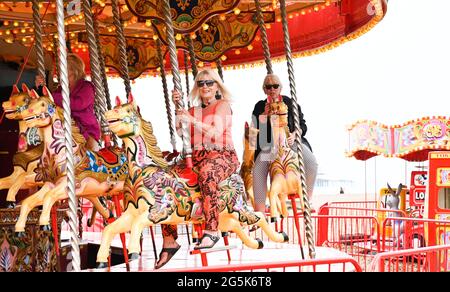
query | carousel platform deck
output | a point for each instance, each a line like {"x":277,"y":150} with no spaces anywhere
{"x":240,"y":255}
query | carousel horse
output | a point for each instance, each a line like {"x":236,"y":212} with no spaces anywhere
{"x":157,"y":194}
{"x":284,"y":170}
{"x":29,"y":150}
{"x":96,"y":173}
{"x":250,"y":136}
{"x":284,"y":167}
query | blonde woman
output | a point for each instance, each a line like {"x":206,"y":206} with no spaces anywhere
{"x":210,"y":122}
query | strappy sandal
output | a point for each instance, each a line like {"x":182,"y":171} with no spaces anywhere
{"x":213,"y":238}
{"x":171,"y":251}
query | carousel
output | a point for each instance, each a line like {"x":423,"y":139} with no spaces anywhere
{"x":45,"y":181}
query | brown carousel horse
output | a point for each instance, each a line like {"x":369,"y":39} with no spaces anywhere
{"x":29,"y":150}
{"x":96,"y":173}
{"x":157,"y":194}
{"x":284,"y":167}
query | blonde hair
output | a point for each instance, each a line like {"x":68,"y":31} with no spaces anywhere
{"x":195,"y":93}
{"x":273,"y":77}
{"x":76,"y":65}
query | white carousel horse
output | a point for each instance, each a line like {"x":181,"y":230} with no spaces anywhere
{"x":155,"y":194}
{"x":97,"y":173}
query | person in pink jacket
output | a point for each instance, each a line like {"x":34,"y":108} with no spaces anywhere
{"x":82,"y":95}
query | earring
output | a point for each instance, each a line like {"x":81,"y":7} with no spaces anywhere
{"x":218,"y":95}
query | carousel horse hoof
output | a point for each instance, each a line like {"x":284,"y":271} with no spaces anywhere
{"x":21,"y":234}
{"x":111,"y":215}
{"x":273,"y":219}
{"x":213,"y":238}
{"x":89,"y":223}
{"x":46,"y":228}
{"x":11,"y":205}
{"x":224,"y":234}
{"x":170,"y":253}
{"x":101,"y":265}
{"x":260,"y":243}
{"x":133,"y":256}
{"x":285,"y":236}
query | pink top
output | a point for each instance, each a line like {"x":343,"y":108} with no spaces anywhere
{"x":219,"y":116}
{"x":82,"y":106}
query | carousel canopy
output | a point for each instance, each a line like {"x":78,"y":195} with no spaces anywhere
{"x":411,"y":141}
{"x":220,"y":30}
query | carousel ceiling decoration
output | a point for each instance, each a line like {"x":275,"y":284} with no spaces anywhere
{"x":220,"y":34}
{"x":187,"y":15}
{"x":141,"y":53}
{"x":411,"y":141}
{"x":315,"y":26}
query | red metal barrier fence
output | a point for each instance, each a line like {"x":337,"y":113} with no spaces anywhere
{"x":425,"y":259}
{"x":317,"y":265}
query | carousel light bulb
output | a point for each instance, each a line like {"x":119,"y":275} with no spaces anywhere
{"x":155,"y":37}
{"x":250,"y":47}
{"x":72,"y":34}
{"x":303,"y":12}
{"x":53,"y":5}
{"x":148,"y":23}
{"x":222,"y":17}
{"x":110,"y":29}
{"x":316,"y":8}
{"x":16,"y":23}
{"x":223,"y":58}
{"x":201,"y":64}
{"x":5,"y":23}
{"x":1,"y":32}
{"x":23,"y":30}
{"x":178,"y":36}
{"x":237,"y":52}
{"x":7,"y":32}
{"x":15,"y":31}
{"x":193,"y":36}
{"x":237,"y":11}
{"x":205,"y":26}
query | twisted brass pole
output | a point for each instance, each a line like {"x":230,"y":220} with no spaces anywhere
{"x":264,"y":40}
{"x":220,"y":69}
{"x":186,"y":71}
{"x":190,"y":44}
{"x":122,"y":47}
{"x":100,"y":99}
{"x":177,"y":79}
{"x":37,"y":23}
{"x":64,"y":79}
{"x":298,"y":132}
{"x":173,"y":141}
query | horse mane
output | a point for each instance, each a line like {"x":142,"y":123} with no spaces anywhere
{"x":76,"y":134}
{"x":151,"y":144}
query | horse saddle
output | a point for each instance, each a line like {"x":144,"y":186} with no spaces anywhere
{"x":109,"y":155}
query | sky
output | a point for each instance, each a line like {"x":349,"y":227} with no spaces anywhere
{"x":396,"y":72}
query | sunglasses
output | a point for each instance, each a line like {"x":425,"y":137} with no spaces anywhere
{"x":270,"y":86}
{"x":208,"y":83}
